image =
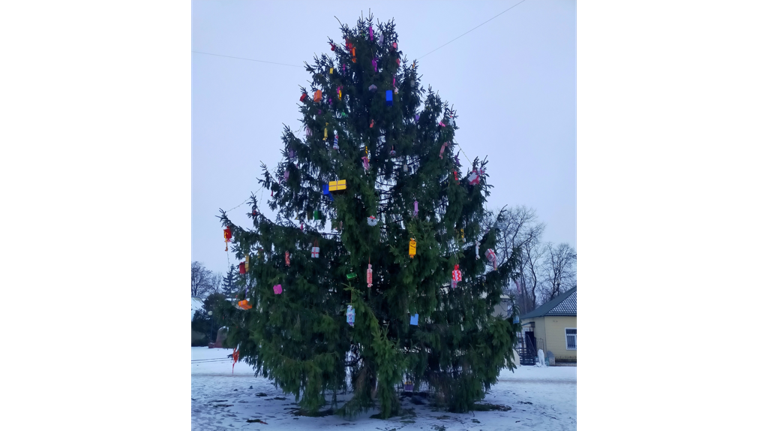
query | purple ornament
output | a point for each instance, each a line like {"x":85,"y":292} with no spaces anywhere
{"x":291,"y":154}
{"x":456,"y":159}
{"x":417,"y":118}
{"x":375,"y":67}
{"x":415,"y":208}
{"x":370,"y":31}
{"x":286,"y":174}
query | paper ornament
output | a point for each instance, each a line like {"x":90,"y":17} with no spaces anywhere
{"x":325,"y":132}
{"x":415,"y":208}
{"x":242,"y":267}
{"x":244,"y":305}
{"x":366,"y":165}
{"x":456,"y":273}
{"x":227,"y":238}
{"x":369,"y":276}
{"x":372,"y":221}
{"x":336,"y":142}
{"x":318,"y":96}
{"x":415,"y":319}
{"x":338,"y":89}
{"x":315,"y":251}
{"x":412,"y":248}
{"x":333,"y":47}
{"x":392,"y":152}
{"x":286,"y":174}
{"x":302,"y":226}
{"x":477,"y":250}
{"x":381,"y":39}
{"x":389,"y":97}
{"x":354,"y":58}
{"x":303,"y":97}
{"x":441,"y":124}
{"x":375,"y":66}
{"x":287,"y":259}
{"x":331,"y":71}
{"x":397,"y":60}
{"x":462,"y":236}
{"x":408,"y":387}
{"x":371,"y":126}
{"x":474,"y":178}
{"x":254,"y":211}
{"x":372,"y":88}
{"x":491,"y":256}
{"x":370,"y":31}
{"x":351,"y":315}
{"x":337,"y":186}
{"x":351,"y":276}
{"x":456,"y":160}
{"x":442,"y":148}
{"x":394,"y":45}
{"x":516,"y":319}
{"x":456,"y":176}
{"x":316,"y":215}
{"x":278,"y":288}
{"x":416,"y":117}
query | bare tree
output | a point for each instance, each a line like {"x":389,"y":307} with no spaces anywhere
{"x":215,"y":282}
{"x":201,"y":280}
{"x":559,"y":269}
{"x":518,"y":231}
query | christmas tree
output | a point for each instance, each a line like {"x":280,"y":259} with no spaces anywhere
{"x":376,"y":270}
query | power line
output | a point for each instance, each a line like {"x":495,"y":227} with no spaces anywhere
{"x":430,"y":52}
{"x":249,"y":59}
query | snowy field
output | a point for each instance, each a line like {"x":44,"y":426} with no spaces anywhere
{"x":540,"y":398}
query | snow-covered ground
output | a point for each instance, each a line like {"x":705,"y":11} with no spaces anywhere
{"x":540,"y":398}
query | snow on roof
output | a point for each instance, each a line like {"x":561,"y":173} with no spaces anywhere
{"x":197,"y":304}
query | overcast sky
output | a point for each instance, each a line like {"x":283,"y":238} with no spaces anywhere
{"x":512,"y":81}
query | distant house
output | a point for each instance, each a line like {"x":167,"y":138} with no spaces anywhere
{"x":197,"y":304}
{"x":552,"y":328}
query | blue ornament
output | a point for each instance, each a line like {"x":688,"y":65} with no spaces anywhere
{"x":389,"y":97}
{"x":415,"y":319}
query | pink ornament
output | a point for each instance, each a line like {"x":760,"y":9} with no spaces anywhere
{"x":366,"y":166}
{"x":278,"y":289}
{"x":456,"y":273}
{"x":375,"y":68}
{"x":441,"y":124}
{"x":445,"y":144}
{"x":474,"y":178}
{"x":491,"y":256}
{"x":369,"y":276}
{"x":287,"y":259}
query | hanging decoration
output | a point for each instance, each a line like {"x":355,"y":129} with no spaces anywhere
{"x":464,"y":240}
{"x":370,"y":31}
{"x":516,"y":319}
{"x":375,"y":66}
{"x":316,"y":214}
{"x":331,"y":71}
{"x":366,"y":165}
{"x":351,"y":276}
{"x":338,"y":89}
{"x":318,"y":96}
{"x":415,"y":319}
{"x":477,"y":250}
{"x":456,"y":177}
{"x":302,"y":227}
{"x":227,"y":238}
{"x":278,"y":288}
{"x":371,"y":126}
{"x":333,"y":47}
{"x":247,"y":261}
{"x":416,"y":117}
{"x":286,"y":174}
{"x":354,"y":58}
{"x":408,"y":386}
{"x":372,"y":221}
{"x":392,"y":152}
{"x":389,"y":97}
{"x":336,"y":142}
{"x":315,"y":251}
{"x":369,"y":274}
{"x":442,"y":148}
{"x":242,"y":268}
{"x":456,"y":160}
{"x":456,"y":276}
{"x":337,"y":186}
{"x":287,"y":259}
{"x":372,"y":88}
{"x":244,"y":305}
{"x":415,"y":208}
{"x":441,"y":124}
{"x":474,"y":178}
{"x":254,"y":211}
{"x":303,"y":97}
{"x":412,"y":248}
{"x":491,"y":256}
{"x":351,"y":315}
{"x":235,"y":357}
{"x":325,"y":132}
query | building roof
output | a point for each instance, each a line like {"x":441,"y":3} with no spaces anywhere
{"x":562,"y":305}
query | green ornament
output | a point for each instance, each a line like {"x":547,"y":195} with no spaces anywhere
{"x":351,"y":276}
{"x":317,"y":215}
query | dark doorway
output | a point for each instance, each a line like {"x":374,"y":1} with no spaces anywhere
{"x":528,"y":351}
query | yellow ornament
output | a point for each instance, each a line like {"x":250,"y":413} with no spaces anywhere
{"x":412,"y":248}
{"x":331,"y":71}
{"x":366,"y":151}
{"x":247,"y":261}
{"x":325,"y":134}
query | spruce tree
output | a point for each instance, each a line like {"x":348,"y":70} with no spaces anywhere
{"x":229,"y":284}
{"x":392,"y":141}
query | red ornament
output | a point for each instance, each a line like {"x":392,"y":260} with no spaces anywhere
{"x":456,"y":176}
{"x":369,"y":275}
{"x":287,"y":259}
{"x":227,"y":238}
{"x":398,"y":62}
{"x":242,"y":267}
{"x":456,"y":273}
{"x":333,"y":47}
{"x":303,"y":97}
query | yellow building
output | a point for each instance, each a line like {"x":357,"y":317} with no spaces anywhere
{"x":552,"y":328}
